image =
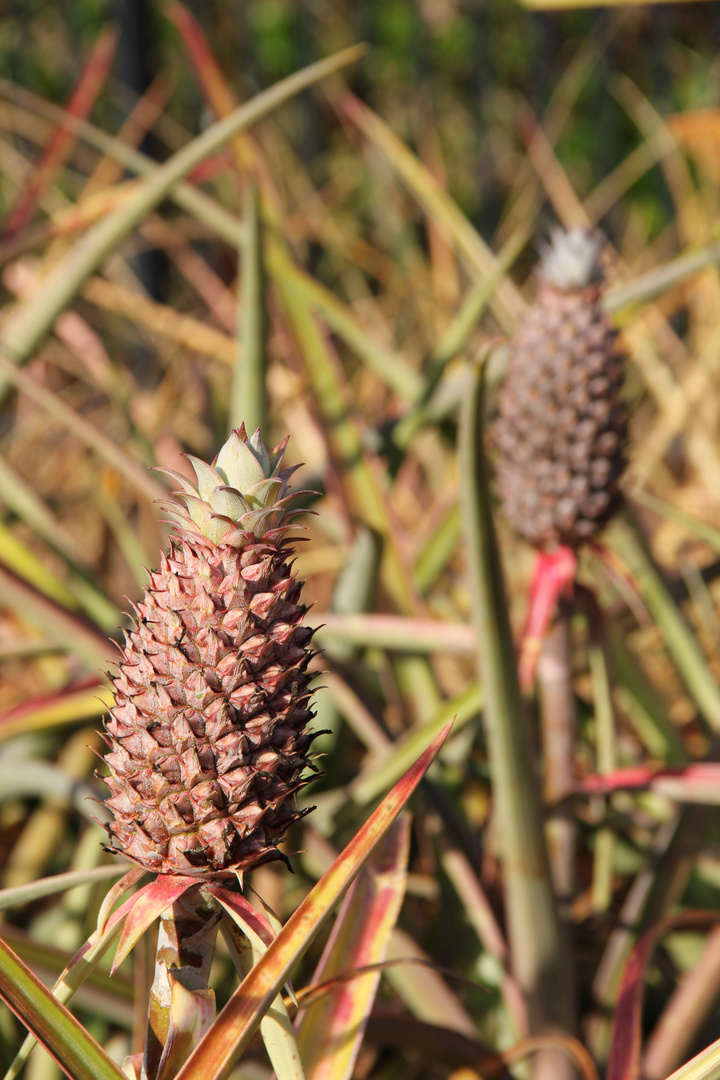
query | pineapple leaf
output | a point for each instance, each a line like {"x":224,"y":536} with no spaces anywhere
{"x":331,"y":1029}
{"x":148,"y":904}
{"x":533,"y":922}
{"x":624,"y":1062}
{"x":265,"y":492}
{"x":228,"y":503}
{"x":17,"y":895}
{"x":77,"y":971}
{"x":185,"y":484}
{"x":704,"y":1066}
{"x":216,"y":1054}
{"x":249,"y":919}
{"x":277,"y":454}
{"x":257,"y":446}
{"x":208,"y":479}
{"x":33,"y":318}
{"x":64,"y":1037}
{"x":62,"y":709}
{"x":238,"y":464}
{"x":276,"y":1026}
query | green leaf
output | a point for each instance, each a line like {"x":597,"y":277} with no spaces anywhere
{"x":698,"y":528}
{"x":396,"y":633}
{"x":704,"y":1066}
{"x":34,"y":890}
{"x":660,"y":279}
{"x":538,"y":954}
{"x":276,"y":1027}
{"x":83,"y":962}
{"x":248,"y":397}
{"x":507,"y":302}
{"x":630,"y":544}
{"x":64,"y":1037}
{"x":385,"y":769}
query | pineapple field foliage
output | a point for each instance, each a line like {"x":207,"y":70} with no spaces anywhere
{"x":339,"y":272}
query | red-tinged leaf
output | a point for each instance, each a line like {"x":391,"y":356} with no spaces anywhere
{"x":64,"y":1037}
{"x":554,"y":576}
{"x":216,"y":1054}
{"x":133,"y":1065}
{"x":624,"y":1062}
{"x":636,"y":776}
{"x":77,"y":971}
{"x":89,"y":947}
{"x":61,"y":141}
{"x":209,"y":169}
{"x":78,"y":702}
{"x":331,"y":1030}
{"x":276,"y":1028}
{"x":221,"y":99}
{"x":698,"y":783}
{"x":62,"y":627}
{"x":148,"y":904}
{"x":247,"y":917}
{"x":212,"y":82}
{"x":132,"y":877}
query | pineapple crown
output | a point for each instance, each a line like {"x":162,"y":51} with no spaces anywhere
{"x":570,"y":260}
{"x":240,"y":498}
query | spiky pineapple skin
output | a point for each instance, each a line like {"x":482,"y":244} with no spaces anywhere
{"x":208,"y":734}
{"x":208,"y":740}
{"x":561,"y":430}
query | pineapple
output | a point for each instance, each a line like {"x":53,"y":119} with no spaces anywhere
{"x":208,"y":740}
{"x":562,"y":425}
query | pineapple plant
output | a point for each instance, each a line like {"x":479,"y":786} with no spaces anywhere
{"x":561,"y":431}
{"x":208,"y":740}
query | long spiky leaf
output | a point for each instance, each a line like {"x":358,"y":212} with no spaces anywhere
{"x":215,"y":1056}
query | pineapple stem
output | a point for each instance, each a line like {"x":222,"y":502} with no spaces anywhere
{"x":181,"y":1005}
{"x":248,"y":397}
{"x":558,"y":727}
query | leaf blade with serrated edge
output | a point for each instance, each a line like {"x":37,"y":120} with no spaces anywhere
{"x":331,"y":1030}
{"x":149,"y":903}
{"x":216,"y":1054}
{"x":64,"y":1037}
{"x":80,"y":967}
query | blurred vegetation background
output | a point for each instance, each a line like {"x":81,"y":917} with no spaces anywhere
{"x":515,"y":119}
{"x":469,"y":70}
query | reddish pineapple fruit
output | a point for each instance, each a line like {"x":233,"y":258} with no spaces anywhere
{"x":208,"y":737}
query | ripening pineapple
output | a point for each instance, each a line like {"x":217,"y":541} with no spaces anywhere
{"x":208,"y":740}
{"x":562,"y":425}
